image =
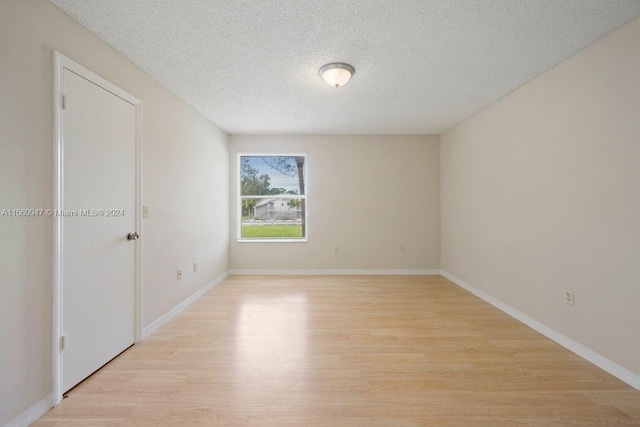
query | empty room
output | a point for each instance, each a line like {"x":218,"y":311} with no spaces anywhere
{"x":319,"y":213}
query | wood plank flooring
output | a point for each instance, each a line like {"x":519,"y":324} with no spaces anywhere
{"x":346,"y":351}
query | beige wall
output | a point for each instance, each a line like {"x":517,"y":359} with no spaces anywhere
{"x":366,"y":194}
{"x":185,"y":184}
{"x":540,"y":194}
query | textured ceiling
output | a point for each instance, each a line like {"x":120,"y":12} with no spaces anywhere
{"x":422,"y":66}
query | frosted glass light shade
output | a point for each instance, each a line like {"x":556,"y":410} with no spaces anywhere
{"x":336,"y":74}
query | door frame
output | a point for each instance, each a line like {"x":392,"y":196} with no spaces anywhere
{"x":60,"y":63}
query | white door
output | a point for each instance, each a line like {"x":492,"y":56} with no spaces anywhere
{"x":99,"y":185}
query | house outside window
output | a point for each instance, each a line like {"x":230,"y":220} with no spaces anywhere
{"x":273,"y":198}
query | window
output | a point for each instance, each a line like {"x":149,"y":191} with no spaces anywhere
{"x":273,"y":199}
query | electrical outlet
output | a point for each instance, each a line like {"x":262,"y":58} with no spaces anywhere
{"x":402,"y":249}
{"x":336,"y":251}
{"x":568,"y":297}
{"x":195,"y":266}
{"x":179,"y":274}
{"x":145,"y":212}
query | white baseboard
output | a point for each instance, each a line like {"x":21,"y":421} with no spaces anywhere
{"x":331,"y":272}
{"x":156,"y":324}
{"x":586,"y":353}
{"x":32,"y":414}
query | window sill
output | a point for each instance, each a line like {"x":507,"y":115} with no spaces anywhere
{"x":272,"y":240}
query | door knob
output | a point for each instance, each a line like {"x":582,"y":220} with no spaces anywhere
{"x":133,"y":236}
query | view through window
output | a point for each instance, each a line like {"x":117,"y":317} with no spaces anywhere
{"x":273,"y":197}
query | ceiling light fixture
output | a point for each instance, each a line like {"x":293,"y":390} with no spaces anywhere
{"x":336,"y":74}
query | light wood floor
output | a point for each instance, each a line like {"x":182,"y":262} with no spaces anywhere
{"x":346,"y":351}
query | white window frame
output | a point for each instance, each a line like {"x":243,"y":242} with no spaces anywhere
{"x":305,"y":196}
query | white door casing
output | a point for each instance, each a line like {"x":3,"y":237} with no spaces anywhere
{"x":97,"y":198}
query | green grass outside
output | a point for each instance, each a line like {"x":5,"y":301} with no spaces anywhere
{"x":272,"y":231}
